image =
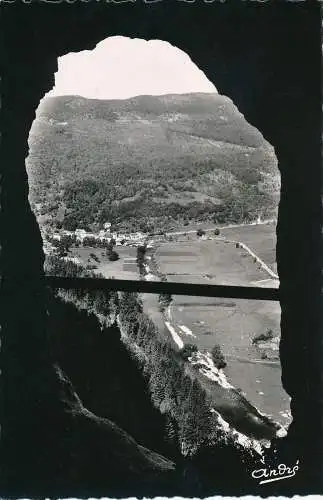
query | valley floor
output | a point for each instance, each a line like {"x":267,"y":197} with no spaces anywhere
{"x":205,"y":321}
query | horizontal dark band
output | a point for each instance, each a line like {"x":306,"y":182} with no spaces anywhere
{"x":199,"y":290}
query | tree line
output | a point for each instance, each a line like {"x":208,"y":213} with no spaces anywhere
{"x":173,"y":390}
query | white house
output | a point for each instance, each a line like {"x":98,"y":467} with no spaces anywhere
{"x":80,"y":232}
{"x":72,"y":259}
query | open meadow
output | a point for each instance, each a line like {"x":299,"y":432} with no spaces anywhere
{"x":213,"y":261}
{"x":261,"y":238}
{"x":231,"y":323}
{"x":124,"y":268}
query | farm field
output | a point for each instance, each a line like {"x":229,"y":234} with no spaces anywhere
{"x":231,"y":323}
{"x":261,"y":238}
{"x":208,"y":261}
{"x":124,"y":268}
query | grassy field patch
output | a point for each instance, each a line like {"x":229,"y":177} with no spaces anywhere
{"x":124,"y":268}
{"x":216,"y":261}
{"x":261,"y":238}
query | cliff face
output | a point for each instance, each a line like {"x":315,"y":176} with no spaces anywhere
{"x":104,"y":375}
{"x":103,"y":381}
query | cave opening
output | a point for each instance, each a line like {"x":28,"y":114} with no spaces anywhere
{"x":266,"y":95}
{"x":100,"y":103}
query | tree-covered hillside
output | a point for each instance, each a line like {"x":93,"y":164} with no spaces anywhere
{"x":145,"y":162}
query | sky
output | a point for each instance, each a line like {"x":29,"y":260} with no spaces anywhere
{"x":121,"y":67}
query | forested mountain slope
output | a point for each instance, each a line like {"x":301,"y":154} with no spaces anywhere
{"x":148,"y":160}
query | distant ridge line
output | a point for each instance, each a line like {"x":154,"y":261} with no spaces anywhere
{"x":169,"y":94}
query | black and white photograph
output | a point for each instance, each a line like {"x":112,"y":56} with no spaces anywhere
{"x":161,"y":249}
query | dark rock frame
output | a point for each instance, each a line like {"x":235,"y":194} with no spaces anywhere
{"x":265,"y":56}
